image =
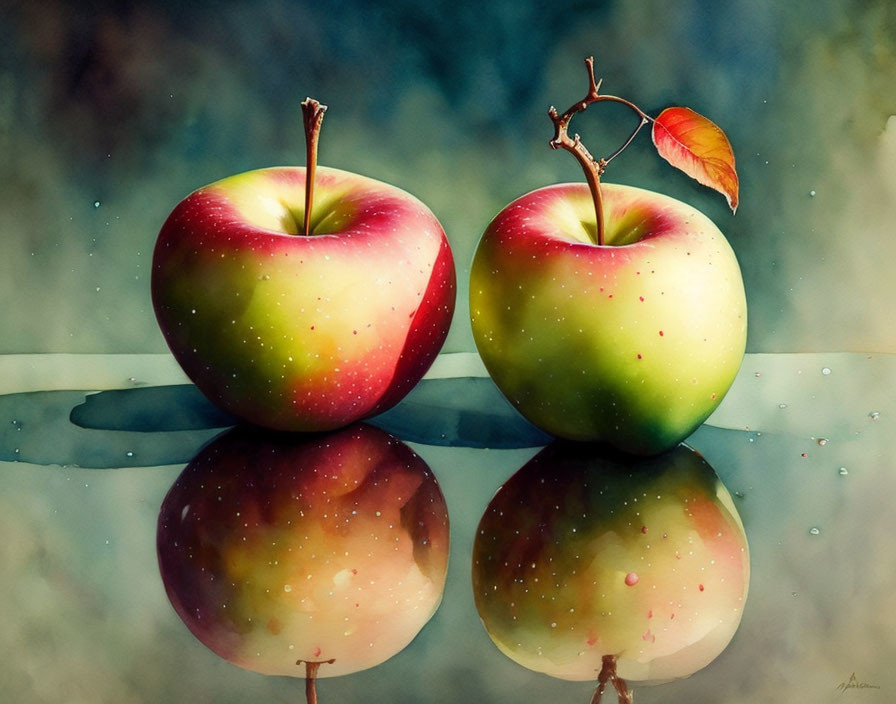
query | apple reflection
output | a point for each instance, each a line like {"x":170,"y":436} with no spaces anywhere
{"x":591,"y":565}
{"x":304,"y":555}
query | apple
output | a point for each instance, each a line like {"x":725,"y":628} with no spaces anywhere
{"x":303,"y":328}
{"x":633,"y":342}
{"x":592,"y":561}
{"x":285,"y":552}
{"x":607,"y":312}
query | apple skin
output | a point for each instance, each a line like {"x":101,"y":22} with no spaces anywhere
{"x":278,"y":547}
{"x":303,"y":333}
{"x":633,"y":343}
{"x":587,"y":552}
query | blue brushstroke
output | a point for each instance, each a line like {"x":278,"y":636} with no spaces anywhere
{"x":164,"y":425}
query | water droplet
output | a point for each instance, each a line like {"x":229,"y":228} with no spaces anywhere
{"x":287,"y":587}
{"x":843,"y":471}
{"x":96,"y":204}
{"x":631,"y":579}
{"x":826,"y":371}
{"x":782,"y":405}
{"x":812,"y":193}
{"x":814,"y":531}
{"x":129,"y":453}
{"x":874,"y":415}
{"x":822,"y":441}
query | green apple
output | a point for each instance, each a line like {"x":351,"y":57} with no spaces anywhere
{"x":281,"y":550}
{"x":590,"y":561}
{"x":634,"y":341}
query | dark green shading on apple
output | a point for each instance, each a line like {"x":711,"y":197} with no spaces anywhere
{"x":307,"y":555}
{"x":593,"y":565}
{"x":164,"y":425}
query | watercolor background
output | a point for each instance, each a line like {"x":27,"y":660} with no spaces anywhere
{"x":111,"y":112}
{"x":132,"y":105}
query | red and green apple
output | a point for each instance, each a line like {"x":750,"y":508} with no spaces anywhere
{"x":297,"y":317}
{"x":607,"y":312}
{"x":288,"y":552}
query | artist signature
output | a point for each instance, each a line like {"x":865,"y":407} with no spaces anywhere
{"x":854,"y":683}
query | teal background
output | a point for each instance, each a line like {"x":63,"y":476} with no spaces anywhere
{"x":110,"y":113}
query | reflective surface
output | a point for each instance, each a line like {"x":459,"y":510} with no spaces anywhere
{"x":802,"y":443}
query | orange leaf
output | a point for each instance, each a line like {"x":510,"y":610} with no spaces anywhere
{"x":698,"y":147}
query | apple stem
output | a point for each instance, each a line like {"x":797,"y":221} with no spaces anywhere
{"x":313,"y":116}
{"x":608,"y":674}
{"x":311,"y":669}
{"x":593,"y":168}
